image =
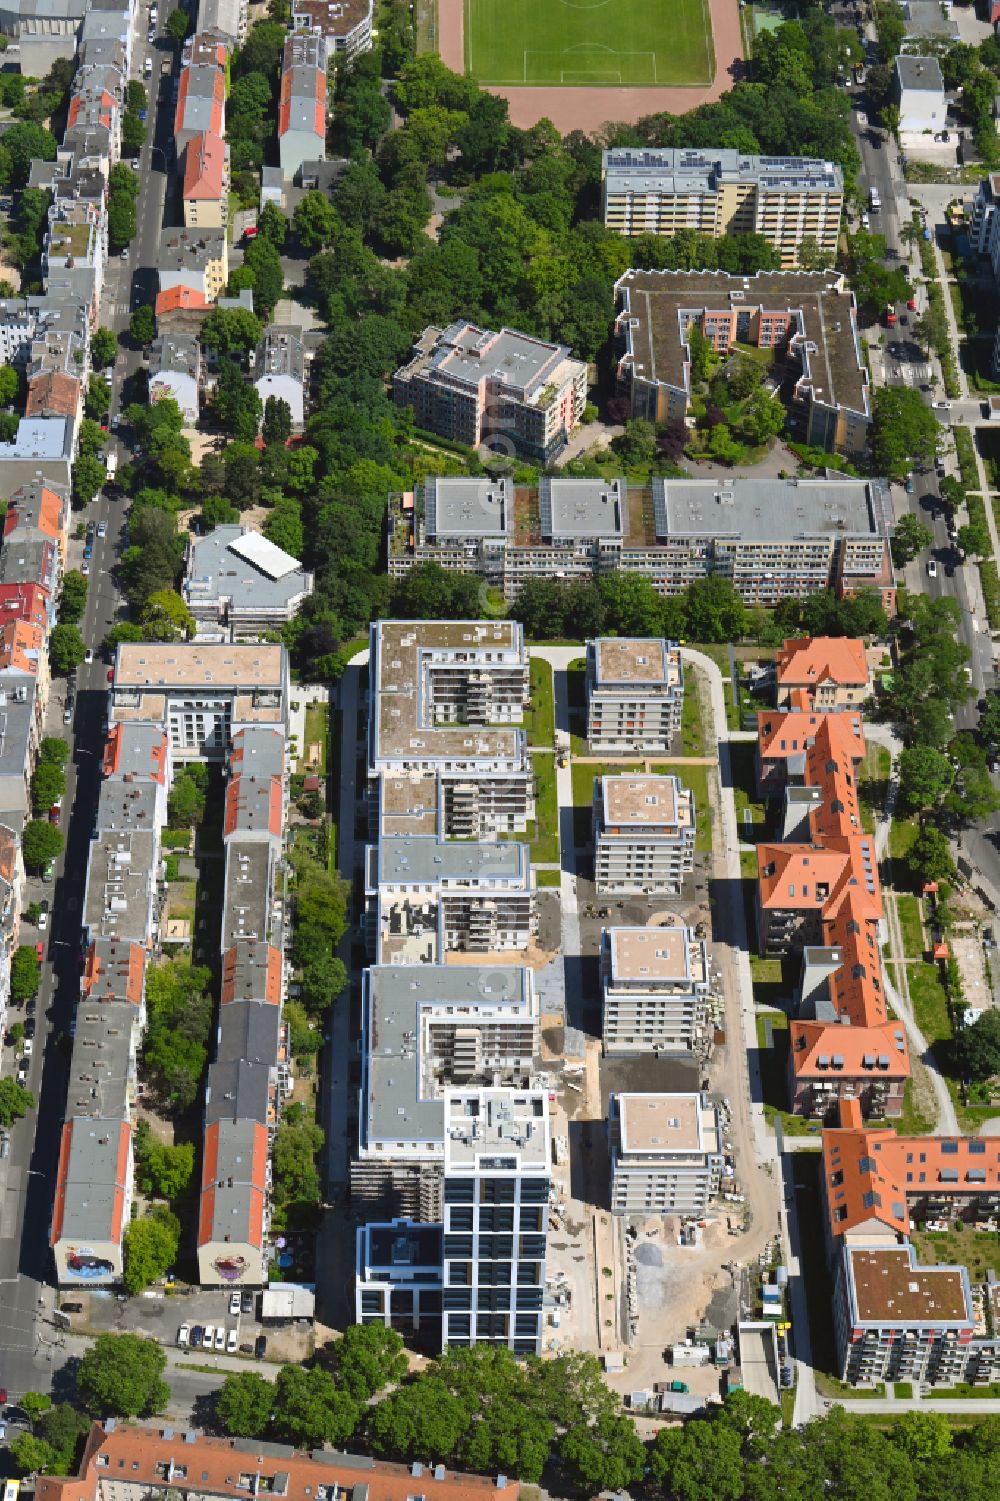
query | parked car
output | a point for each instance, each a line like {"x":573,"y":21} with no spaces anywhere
{"x":208,"y":1339}
{"x":28,"y":1047}
{"x":232,"y":1340}
{"x":183,"y":1335}
{"x":220,"y":1338}
{"x":90,"y":655}
{"x":234,"y":1304}
{"x":40,"y":951}
{"x":29,"y":1027}
{"x":246,"y":1303}
{"x":260,"y":1347}
{"x":197,"y":1334}
{"x":931,"y":568}
{"x":43,"y":916}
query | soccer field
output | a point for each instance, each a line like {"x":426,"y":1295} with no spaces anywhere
{"x":589,"y":42}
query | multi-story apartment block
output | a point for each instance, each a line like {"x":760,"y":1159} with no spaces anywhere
{"x":512,"y":392}
{"x":279,"y":370}
{"x":775,"y":539}
{"x":427,"y":1028}
{"x":121,"y":1460}
{"x":195,"y":260}
{"x":205,"y":693}
{"x":666,"y":1153}
{"x":302,"y":107}
{"x":205,"y":191}
{"x":175,"y":371}
{"x":827,"y":672}
{"x":345,"y":24}
{"x":445,"y":752}
{"x":786,"y":199}
{"x":657,"y":987}
{"x":643,"y":834}
{"x":894,"y":1319}
{"x":239,"y":584}
{"x":783,"y":740}
{"x":201,"y":92}
{"x":808,"y":318}
{"x":919,"y":91}
{"x":635,"y":694}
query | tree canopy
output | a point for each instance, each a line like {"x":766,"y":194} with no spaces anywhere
{"x":121,"y":1376}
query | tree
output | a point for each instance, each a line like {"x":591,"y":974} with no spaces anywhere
{"x":163,"y":1171}
{"x":422,"y":1417}
{"x":185,"y":803}
{"x":979,"y":1047}
{"x":309,"y":1410}
{"x":133,"y":133}
{"x":636,"y":446}
{"x":988,"y":727}
{"x":974,"y":540}
{"x":31,"y":1455}
{"x":925,"y":775}
{"x":930,"y":858}
{"x":904,"y":431}
{"x":121,"y":1376}
{"x":165,"y":617}
{"x":103,"y":347}
{"x":283,"y":526}
{"x":715,"y":611}
{"x":322,"y":982}
{"x":122,"y":220}
{"x":142,"y":325}
{"x":367,"y":1359}
{"x":273,"y":225}
{"x":277,"y":421}
{"x":48,"y":785}
{"x":89,"y":474}
{"x":179,"y":25}
{"x":25,"y":974}
{"x":98,"y":398}
{"x":180,"y":1024}
{"x":315,"y":222}
{"x":700,"y":1462}
{"x":237,"y":402}
{"x":151,"y":1246}
{"x":909,"y":537}
{"x":24,"y":143}
{"x":430,"y":592}
{"x":15,"y":1102}
{"x":305,"y":1039}
{"x":923,"y":1435}
{"x":10,"y":384}
{"x":243,"y":1404}
{"x":297,"y":1187}
{"x":40,"y":843}
{"x":608,"y":1456}
{"x":66,"y":649}
{"x":632,"y":606}
{"x":264,"y":261}
{"x":34,"y":1404}
{"x":73,"y":599}
{"x":231,"y":330}
{"x":762,"y":418}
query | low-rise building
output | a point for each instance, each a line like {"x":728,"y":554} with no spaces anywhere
{"x":635,"y":694}
{"x":238,"y":582}
{"x":831,"y":672}
{"x":302,"y":107}
{"x":808,"y":318}
{"x":785,"y":199}
{"x":644,"y":828}
{"x":656,"y":987}
{"x":507,"y":390}
{"x":920,"y":96}
{"x":279,"y":370}
{"x":175,"y":372}
{"x":666,"y":1153}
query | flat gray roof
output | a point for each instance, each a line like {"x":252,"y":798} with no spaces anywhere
{"x":232,"y":1189}
{"x":17,"y":722}
{"x":217,"y":571}
{"x":465,"y":354}
{"x":247,"y":900}
{"x":238,"y":1091}
{"x":92,"y":1192}
{"x":126,"y":806}
{"x":101,"y":1063}
{"x":433,"y":862}
{"x":582,"y":507}
{"x":259,"y":750}
{"x":688,"y":170}
{"x":121,"y":875}
{"x":765,"y":510}
{"x":459,"y":507}
{"x":248,"y":1031}
{"x":922,"y":74}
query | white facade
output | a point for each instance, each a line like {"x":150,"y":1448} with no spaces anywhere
{"x":666,"y":1153}
{"x":643,"y":835}
{"x":920,"y":94}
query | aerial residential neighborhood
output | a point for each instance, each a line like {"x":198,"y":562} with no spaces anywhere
{"x":499,"y":749}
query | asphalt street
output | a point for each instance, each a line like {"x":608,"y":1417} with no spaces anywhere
{"x":31,"y":1348}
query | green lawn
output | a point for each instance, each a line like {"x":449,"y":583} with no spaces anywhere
{"x":695,"y":777}
{"x":774,"y":1076}
{"x":909,"y":921}
{"x":873,"y":784}
{"x":545,"y":845}
{"x":748,"y":865}
{"x":911,"y":1122}
{"x":692,"y":726}
{"x":979,"y":1250}
{"x":316,"y":732}
{"x":901,"y":836}
{"x":929,"y":1004}
{"x":539,"y":721}
{"x":633,"y":42}
{"x":547,"y":877}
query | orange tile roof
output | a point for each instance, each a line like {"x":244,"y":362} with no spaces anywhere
{"x":218,"y":100}
{"x":204,"y":167}
{"x":815,"y":1044}
{"x":21,"y":646}
{"x":288,"y":84}
{"x":162,"y":1460}
{"x":53,"y":395}
{"x":50,"y":513}
{"x":242,"y":795}
{"x":870,"y":1173}
{"x":808,"y":877}
{"x":818,"y":659}
{"x":175,"y":299}
{"x":256,"y":1175}
{"x":10,"y":844}
{"x":782,"y":735}
{"x":121,"y":961}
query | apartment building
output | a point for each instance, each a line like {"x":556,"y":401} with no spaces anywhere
{"x":783,"y":738}
{"x":445,"y":745}
{"x":427,"y":1028}
{"x":635,"y":694}
{"x":808,"y":318}
{"x":195,"y":260}
{"x":666,"y":1153}
{"x":122,"y":1459}
{"x":238,"y":584}
{"x":346,"y":25}
{"x":205,"y":190}
{"x":643,"y":835}
{"x":893,"y":1318}
{"x":657,"y":988}
{"x":786,"y":199}
{"x":279,"y":370}
{"x":175,"y":372}
{"x":831,"y":672}
{"x":775,"y":539}
{"x":918,"y":87}
{"x":516,"y":394}
{"x":204,"y":693}
{"x":302,"y":106}
{"x":201,"y":92}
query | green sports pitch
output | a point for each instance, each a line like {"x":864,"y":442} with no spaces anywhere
{"x":630,"y":43}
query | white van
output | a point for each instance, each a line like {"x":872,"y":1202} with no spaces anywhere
{"x":874,"y":201}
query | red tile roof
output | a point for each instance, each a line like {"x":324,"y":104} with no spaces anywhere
{"x":218,"y":101}
{"x":53,"y":395}
{"x":175,"y":299}
{"x":204,"y":167}
{"x":147,"y":1459}
{"x":270,"y":988}
{"x":24,"y":602}
{"x":50,"y":513}
{"x":256,"y":1175}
